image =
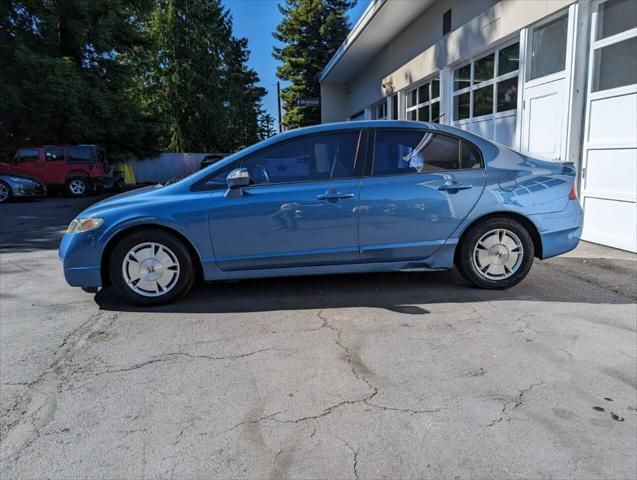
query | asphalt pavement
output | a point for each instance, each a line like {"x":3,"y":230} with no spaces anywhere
{"x":404,"y":375}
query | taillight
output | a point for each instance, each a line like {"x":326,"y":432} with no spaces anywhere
{"x":572,"y":195}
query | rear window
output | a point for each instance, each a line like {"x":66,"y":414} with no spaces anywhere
{"x":80,"y":154}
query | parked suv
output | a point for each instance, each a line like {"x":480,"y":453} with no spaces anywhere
{"x":77,"y":168}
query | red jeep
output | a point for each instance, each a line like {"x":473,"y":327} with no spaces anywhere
{"x":76,"y":168}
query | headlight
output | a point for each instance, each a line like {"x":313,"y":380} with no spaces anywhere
{"x":84,"y":224}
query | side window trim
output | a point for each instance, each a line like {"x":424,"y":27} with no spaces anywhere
{"x":201,"y":185}
{"x":369,"y":172}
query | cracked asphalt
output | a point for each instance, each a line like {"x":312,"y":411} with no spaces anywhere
{"x":412,"y":375}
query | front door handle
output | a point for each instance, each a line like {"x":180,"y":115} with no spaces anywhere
{"x":333,"y":195}
{"x":454,"y":186}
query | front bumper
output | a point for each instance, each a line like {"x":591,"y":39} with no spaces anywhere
{"x":80,"y":258}
{"x":560,"y":232}
{"x":27,"y":191}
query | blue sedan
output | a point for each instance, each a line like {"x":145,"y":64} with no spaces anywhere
{"x":335,"y":198}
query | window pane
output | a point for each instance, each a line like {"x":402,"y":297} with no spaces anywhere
{"x":405,"y":151}
{"x":435,"y":112}
{"x":435,"y":89}
{"x":394,"y":107}
{"x":508,"y":94}
{"x":483,"y":101}
{"x":412,"y":115}
{"x":548,"y":52}
{"x":53,"y":155}
{"x":218,"y":179}
{"x":319,"y":157}
{"x":80,"y":154}
{"x":423,"y":93}
{"x":423,"y":114}
{"x":616,"y":16}
{"x":411,"y":98}
{"x":483,"y":69}
{"x":462,"y":77}
{"x":28,"y":155}
{"x":509,"y":59}
{"x":461,"y":106}
{"x":470,"y":158}
{"x":615,"y":65}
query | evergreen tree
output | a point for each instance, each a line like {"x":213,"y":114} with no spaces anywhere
{"x":63,"y":80}
{"x":194,"y":75}
{"x":266,"y":125}
{"x":311,"y":32}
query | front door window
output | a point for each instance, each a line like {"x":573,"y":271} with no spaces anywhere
{"x":318,"y":157}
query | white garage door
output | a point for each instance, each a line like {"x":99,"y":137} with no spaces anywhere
{"x":609,"y":175}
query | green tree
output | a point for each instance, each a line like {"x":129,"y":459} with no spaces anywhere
{"x":194,"y":75}
{"x":311,"y":31}
{"x":63,"y":78}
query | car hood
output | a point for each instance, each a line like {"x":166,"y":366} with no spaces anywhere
{"x":133,"y":197}
{"x":20,"y":176}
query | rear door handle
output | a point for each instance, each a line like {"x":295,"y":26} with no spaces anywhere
{"x":454,"y":186}
{"x":333,"y":195}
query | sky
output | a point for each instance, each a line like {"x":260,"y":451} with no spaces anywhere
{"x":256,"y":20}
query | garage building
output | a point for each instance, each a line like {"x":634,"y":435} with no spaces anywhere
{"x":554,"y":78}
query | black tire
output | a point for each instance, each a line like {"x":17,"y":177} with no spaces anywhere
{"x":174,"y":244}
{"x":7,"y":195}
{"x":468,"y":257}
{"x":78,"y":187}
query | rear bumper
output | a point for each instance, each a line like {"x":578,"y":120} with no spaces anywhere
{"x":560,"y":232}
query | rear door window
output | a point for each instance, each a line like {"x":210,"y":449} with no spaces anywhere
{"x":54,"y":154}
{"x":80,"y":154}
{"x":414,"y":151}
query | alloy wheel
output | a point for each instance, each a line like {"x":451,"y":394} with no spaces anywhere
{"x":77,"y":187}
{"x":150,"y":269}
{"x":4,"y":193}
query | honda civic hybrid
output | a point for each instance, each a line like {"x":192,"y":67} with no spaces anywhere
{"x":365,"y":196}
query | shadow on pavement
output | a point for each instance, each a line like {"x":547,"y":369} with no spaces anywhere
{"x":398,"y":292}
{"x":38,"y":224}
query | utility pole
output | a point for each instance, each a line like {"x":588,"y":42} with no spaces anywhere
{"x":278,"y":101}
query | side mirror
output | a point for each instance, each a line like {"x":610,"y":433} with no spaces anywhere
{"x":238,"y":178}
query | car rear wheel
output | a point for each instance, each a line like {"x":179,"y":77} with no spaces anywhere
{"x":5,"y":192}
{"x":151,"y":267}
{"x":78,"y":186}
{"x":496,"y":253}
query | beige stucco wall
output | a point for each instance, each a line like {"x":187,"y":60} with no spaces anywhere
{"x":420,"y":49}
{"x":333,"y":102}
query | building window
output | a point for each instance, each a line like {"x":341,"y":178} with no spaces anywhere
{"x":446,"y":22}
{"x":614,"y":59}
{"x":487,"y":85}
{"x":548,"y":48}
{"x":423,"y":102}
{"x":380,"y":111}
{"x":394,"y":106}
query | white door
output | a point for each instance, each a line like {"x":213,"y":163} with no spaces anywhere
{"x":545,"y":91}
{"x":609,"y":174}
{"x":543,"y":118}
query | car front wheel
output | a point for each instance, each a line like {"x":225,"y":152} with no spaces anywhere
{"x":5,"y":192}
{"x":497,"y":253}
{"x":151,"y":267}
